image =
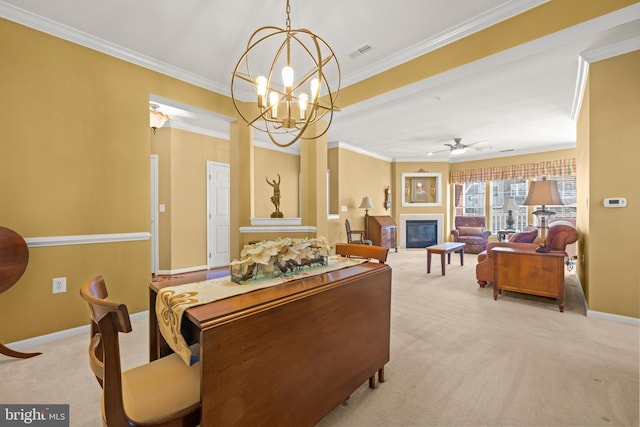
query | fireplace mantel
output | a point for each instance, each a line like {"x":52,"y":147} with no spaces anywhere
{"x":419,"y":217}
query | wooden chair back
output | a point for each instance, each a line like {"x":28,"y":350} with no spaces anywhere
{"x":350,"y":233}
{"x":107,"y":320}
{"x":369,"y":252}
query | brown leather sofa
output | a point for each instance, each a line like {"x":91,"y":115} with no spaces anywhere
{"x":472,"y":231}
{"x":560,"y":234}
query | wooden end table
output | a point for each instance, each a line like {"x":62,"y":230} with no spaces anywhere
{"x":529,"y":272}
{"x":445,"y":249}
{"x":503,"y":235}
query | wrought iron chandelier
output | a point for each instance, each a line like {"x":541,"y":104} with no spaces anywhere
{"x":284,"y":110}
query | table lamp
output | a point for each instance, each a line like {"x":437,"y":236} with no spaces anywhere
{"x":366,"y":205}
{"x":510,"y":205}
{"x":543,"y":193}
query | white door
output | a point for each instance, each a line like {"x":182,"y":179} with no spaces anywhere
{"x":218,"y":201}
{"x":154,"y":214}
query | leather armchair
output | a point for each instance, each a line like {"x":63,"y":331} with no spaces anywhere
{"x":561,"y":234}
{"x":471,"y":230}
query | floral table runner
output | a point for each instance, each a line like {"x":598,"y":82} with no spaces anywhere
{"x":172,"y":301}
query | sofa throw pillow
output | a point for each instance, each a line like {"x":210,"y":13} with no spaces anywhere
{"x":524,"y":236}
{"x":470,"y":231}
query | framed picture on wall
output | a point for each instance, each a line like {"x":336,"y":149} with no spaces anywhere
{"x":418,"y":190}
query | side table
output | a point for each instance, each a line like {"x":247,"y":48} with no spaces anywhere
{"x":445,"y":249}
{"x":503,"y":235}
{"x":14,"y":256}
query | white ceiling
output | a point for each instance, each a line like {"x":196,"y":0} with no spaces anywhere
{"x":515,"y":102}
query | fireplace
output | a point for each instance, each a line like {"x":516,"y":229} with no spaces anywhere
{"x":421,"y":233}
{"x":406,"y":241}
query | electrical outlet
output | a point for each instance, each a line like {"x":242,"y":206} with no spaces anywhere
{"x":59,"y":285}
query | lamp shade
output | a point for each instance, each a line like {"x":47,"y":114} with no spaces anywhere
{"x":510,"y":205}
{"x":543,"y":193}
{"x":156,"y":118}
{"x":366,"y":203}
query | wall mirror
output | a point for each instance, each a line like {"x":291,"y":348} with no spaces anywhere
{"x":421,"y":189}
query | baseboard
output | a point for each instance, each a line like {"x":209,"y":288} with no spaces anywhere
{"x":182,"y":270}
{"x":67,"y":333}
{"x":614,"y":317}
{"x":584,"y":299}
{"x":606,"y":316}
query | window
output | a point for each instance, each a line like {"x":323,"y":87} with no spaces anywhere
{"x":501,"y":191}
{"x":469,"y":198}
{"x":569,"y":195}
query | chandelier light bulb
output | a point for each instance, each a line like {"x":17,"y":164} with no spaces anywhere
{"x":315,"y":88}
{"x":303,"y":100}
{"x":287,"y":77}
{"x":274,"y":98}
{"x":261,"y":89}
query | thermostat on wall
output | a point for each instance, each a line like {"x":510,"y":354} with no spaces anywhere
{"x":615,"y":202}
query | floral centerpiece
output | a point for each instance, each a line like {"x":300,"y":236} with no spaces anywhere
{"x":273,"y":258}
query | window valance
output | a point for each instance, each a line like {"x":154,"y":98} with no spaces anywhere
{"x":526,"y":170}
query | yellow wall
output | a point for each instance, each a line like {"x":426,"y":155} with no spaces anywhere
{"x":83,"y":169}
{"x":613,"y":151}
{"x":182,"y":188}
{"x":268,"y":164}
{"x":360,"y":176}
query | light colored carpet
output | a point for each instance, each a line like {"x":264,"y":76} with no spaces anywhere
{"x":458,"y":358}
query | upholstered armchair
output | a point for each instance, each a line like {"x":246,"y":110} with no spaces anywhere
{"x":471,"y":230}
{"x":560,"y":234}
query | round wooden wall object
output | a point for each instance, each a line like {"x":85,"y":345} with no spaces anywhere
{"x":14,"y":256}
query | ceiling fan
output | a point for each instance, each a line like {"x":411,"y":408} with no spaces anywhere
{"x":457,"y":148}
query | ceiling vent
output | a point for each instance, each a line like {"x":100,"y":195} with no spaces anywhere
{"x":365,"y":48}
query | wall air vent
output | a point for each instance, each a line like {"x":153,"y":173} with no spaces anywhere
{"x":365,"y":48}
{"x":507,"y":150}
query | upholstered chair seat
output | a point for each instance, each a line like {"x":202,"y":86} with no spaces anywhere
{"x":146,"y":396}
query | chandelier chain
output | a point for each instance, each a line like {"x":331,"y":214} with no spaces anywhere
{"x":288,"y":22}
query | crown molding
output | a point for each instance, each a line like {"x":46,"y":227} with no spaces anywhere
{"x":173,"y":124}
{"x":65,"y":32}
{"x":345,"y":146}
{"x":464,"y":29}
{"x":595,"y":55}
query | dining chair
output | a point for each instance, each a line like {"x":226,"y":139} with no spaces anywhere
{"x":360,"y":235}
{"x":164,"y":392}
{"x":369,"y":252}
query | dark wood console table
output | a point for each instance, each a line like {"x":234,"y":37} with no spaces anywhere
{"x":529,"y":272}
{"x":14,"y":257}
{"x":289,"y":354}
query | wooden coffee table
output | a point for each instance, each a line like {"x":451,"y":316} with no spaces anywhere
{"x":445,"y":249}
